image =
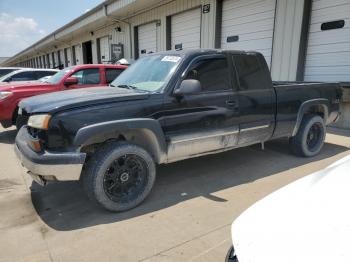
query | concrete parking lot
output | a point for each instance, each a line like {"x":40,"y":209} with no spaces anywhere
{"x":186,"y":218}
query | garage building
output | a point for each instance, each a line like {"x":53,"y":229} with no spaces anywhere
{"x":304,"y":40}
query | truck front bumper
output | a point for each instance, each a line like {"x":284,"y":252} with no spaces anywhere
{"x":47,"y":166}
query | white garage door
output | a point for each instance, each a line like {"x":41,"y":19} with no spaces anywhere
{"x":55,"y":59}
{"x":43,"y":61}
{"x":68,"y":56}
{"x":62,"y":60}
{"x":104,"y":49}
{"x":147,"y":37}
{"x":248,"y":25}
{"x":328,"y":50}
{"x":51,"y":61}
{"x":78,"y":55}
{"x":186,"y":30}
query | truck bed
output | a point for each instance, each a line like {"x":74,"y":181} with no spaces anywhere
{"x":291,"y":95}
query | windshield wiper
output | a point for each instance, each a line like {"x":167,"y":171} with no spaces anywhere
{"x":126,"y":86}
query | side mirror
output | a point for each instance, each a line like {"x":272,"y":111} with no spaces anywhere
{"x":188,"y":87}
{"x":8,"y":80}
{"x":71,"y":81}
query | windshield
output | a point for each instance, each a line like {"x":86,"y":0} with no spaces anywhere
{"x":150,"y":73}
{"x":56,"y":78}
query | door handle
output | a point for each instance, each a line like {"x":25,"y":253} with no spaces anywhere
{"x":231,"y":103}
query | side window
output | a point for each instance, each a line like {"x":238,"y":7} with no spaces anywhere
{"x":213,"y":74}
{"x":89,"y":76}
{"x":111,"y":74}
{"x":251,"y":73}
{"x":24,"y":76}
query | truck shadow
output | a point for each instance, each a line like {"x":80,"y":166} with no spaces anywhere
{"x":7,"y":136}
{"x":63,"y":206}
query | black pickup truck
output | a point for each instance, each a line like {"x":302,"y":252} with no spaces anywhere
{"x":167,"y":107}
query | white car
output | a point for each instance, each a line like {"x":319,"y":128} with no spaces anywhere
{"x":44,"y":79}
{"x":27,"y":74}
{"x":305,"y":221}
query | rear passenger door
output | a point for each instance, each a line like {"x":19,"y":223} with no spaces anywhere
{"x":88,"y":77}
{"x":256,"y":99}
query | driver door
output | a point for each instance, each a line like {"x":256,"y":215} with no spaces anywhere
{"x":206,"y":121}
{"x":89,"y":77}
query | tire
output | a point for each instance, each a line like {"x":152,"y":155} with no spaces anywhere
{"x":310,"y":138}
{"x":113,"y":183}
{"x":231,"y":255}
{"x":20,"y":121}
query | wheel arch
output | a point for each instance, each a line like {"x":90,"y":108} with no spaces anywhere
{"x":144,"y":132}
{"x":15,"y":115}
{"x":315,"y":106}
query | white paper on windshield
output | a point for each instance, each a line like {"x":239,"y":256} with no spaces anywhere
{"x":169,"y":58}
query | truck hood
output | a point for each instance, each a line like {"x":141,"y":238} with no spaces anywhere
{"x":58,"y":101}
{"x":308,"y":220}
{"x":4,"y":86}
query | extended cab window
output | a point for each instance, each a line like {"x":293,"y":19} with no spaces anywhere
{"x":111,"y":74}
{"x":213,"y":74}
{"x":89,"y":76}
{"x":251,"y":73}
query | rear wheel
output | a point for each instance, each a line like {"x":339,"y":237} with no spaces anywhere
{"x":310,"y":138}
{"x":119,"y":176}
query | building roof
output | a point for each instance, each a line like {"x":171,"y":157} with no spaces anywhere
{"x":3,"y":59}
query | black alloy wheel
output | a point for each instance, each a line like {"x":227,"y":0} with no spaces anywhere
{"x":313,"y":136}
{"x":125,"y":178}
{"x":119,"y":176}
{"x":310,"y":137}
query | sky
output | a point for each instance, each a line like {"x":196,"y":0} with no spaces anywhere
{"x":23,"y":22}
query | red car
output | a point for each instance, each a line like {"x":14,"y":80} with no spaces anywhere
{"x":79,"y":76}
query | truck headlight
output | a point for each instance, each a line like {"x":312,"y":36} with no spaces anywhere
{"x":4,"y":94}
{"x":39,"y":121}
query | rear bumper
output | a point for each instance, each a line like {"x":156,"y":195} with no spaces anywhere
{"x":48,"y":166}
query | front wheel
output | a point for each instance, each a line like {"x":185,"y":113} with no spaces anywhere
{"x":119,"y":176}
{"x":310,"y":138}
{"x":21,"y":121}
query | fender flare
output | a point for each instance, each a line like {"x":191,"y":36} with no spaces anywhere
{"x":100,"y":132}
{"x":305,"y":106}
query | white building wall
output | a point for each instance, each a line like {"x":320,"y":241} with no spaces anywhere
{"x":286,"y":38}
{"x":161,"y":12}
{"x":122,"y":37}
